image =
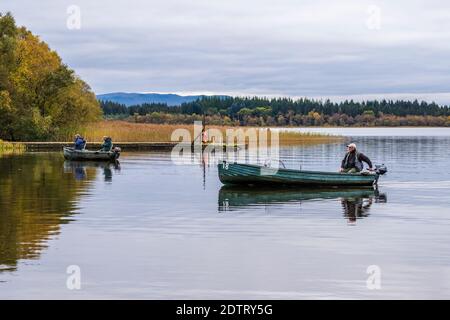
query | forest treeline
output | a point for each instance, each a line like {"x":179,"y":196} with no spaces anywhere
{"x":40,"y":97}
{"x":256,"y":111}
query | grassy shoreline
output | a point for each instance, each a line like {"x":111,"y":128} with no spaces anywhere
{"x":123,"y":131}
{"x":129,"y":132}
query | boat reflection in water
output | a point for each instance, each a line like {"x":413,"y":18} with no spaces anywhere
{"x":83,"y":169}
{"x":355,"y":202}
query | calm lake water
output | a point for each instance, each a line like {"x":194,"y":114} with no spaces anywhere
{"x":152,"y":229}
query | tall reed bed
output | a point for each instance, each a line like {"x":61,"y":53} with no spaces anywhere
{"x":123,"y":131}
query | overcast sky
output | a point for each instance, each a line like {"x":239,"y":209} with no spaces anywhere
{"x":293,"y":48}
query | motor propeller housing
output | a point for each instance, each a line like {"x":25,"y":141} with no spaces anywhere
{"x":381,"y":169}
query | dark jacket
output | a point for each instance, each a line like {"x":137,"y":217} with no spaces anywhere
{"x":79,"y":143}
{"x":349,"y":160}
{"x":107,"y":145}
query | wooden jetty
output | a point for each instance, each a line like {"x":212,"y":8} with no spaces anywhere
{"x":125,"y":146}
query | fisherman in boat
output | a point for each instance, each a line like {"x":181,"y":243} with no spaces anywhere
{"x":353,"y":160}
{"x":79,"y":142}
{"x":107,"y":144}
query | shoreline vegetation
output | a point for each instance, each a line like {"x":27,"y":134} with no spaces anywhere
{"x":129,"y":133}
{"x":282,"y":112}
{"x":124,"y":131}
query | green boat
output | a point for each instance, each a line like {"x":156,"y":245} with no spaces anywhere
{"x":86,"y":155}
{"x":249,"y":174}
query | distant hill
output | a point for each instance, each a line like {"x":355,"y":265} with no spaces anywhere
{"x":129,"y":99}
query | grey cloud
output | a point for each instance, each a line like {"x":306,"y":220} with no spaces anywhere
{"x":296,"y":48}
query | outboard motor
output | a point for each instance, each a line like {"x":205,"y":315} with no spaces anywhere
{"x":380,"y":169}
{"x":117,"y":152}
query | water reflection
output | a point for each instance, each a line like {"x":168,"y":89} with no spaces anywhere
{"x":355,"y":203}
{"x":36,"y":197}
{"x":359,"y":207}
{"x":80,"y":168}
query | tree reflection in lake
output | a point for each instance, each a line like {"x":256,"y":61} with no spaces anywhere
{"x":36,"y":197}
{"x":355,"y":202}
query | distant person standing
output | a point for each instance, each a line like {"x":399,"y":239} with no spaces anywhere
{"x":79,"y":142}
{"x":353,"y":160}
{"x":204,"y":135}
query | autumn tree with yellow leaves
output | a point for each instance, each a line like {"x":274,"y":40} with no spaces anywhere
{"x":40,"y":97}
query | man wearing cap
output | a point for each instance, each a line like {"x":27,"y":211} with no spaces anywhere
{"x":353,"y":160}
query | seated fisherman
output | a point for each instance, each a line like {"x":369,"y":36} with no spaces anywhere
{"x":79,"y":142}
{"x":107,"y":144}
{"x":353,"y":160}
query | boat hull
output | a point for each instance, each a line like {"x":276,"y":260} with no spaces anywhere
{"x":85,"y":155}
{"x":247,"y":174}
